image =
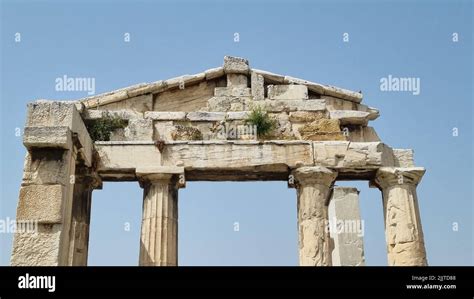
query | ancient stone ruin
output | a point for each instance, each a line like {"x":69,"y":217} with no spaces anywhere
{"x":231,"y":123}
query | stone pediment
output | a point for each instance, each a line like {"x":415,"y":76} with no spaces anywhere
{"x":303,"y":110}
{"x":232,"y":66}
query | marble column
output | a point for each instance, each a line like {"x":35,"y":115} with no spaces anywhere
{"x":313,"y":185}
{"x":403,"y":231}
{"x":85,"y":182}
{"x":159,"y":232}
{"x":347,"y":228}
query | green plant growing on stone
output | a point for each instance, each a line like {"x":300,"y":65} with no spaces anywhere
{"x":259,"y":117}
{"x":101,"y":129}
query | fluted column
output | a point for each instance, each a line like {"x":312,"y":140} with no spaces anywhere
{"x":403,"y":231}
{"x":85,"y":182}
{"x":313,"y":185}
{"x":159,"y":232}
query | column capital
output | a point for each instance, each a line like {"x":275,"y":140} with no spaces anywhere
{"x":161,"y":173}
{"x":86,"y":175}
{"x":392,"y":176}
{"x":314,"y":175}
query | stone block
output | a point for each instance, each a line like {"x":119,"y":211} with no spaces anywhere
{"x":41,"y":202}
{"x":403,"y":157}
{"x":306,"y":116}
{"x":139,"y":129}
{"x":225,"y":104}
{"x":206,"y":116}
{"x":236,"y":65}
{"x":47,"y":137}
{"x":232,"y":92}
{"x":237,"y":80}
{"x":41,"y":248}
{"x":240,"y":115}
{"x":257,"y":85}
{"x":350,"y":117}
{"x":156,"y":115}
{"x":46,"y":166}
{"x":345,"y":154}
{"x":214,"y":73}
{"x":292,"y":105}
{"x":56,"y":114}
{"x":163,"y":130}
{"x":287,"y":92}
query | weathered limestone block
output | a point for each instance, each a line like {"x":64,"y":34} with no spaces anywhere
{"x":403,"y":157}
{"x":350,"y":117}
{"x":241,"y":115}
{"x":138,"y":104}
{"x":333,"y":103}
{"x":230,"y":155}
{"x":185,"y":80}
{"x":206,"y":116}
{"x":348,"y":228}
{"x":283,"y":128}
{"x":360,"y":134}
{"x":155,"y":115}
{"x":190,"y":98}
{"x":306,"y":116}
{"x":46,"y":167}
{"x":61,"y":114}
{"x":159,"y":232}
{"x":287,"y":92}
{"x":214,"y":73}
{"x":225,"y":104}
{"x":345,"y":154}
{"x":92,"y":114}
{"x":139,"y":89}
{"x":270,"y":77}
{"x":237,"y":80}
{"x":186,"y":133}
{"x":163,"y":130}
{"x":313,"y":185}
{"x":403,"y":231}
{"x":48,"y":137}
{"x":257,"y":85}
{"x":292,"y":105}
{"x":139,"y":129}
{"x":232,"y":91}
{"x":236,"y":65}
{"x":321,"y":129}
{"x":43,"y":203}
{"x":119,"y":156}
{"x":37,"y":249}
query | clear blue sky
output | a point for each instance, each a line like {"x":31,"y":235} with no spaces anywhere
{"x":298,"y":38}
